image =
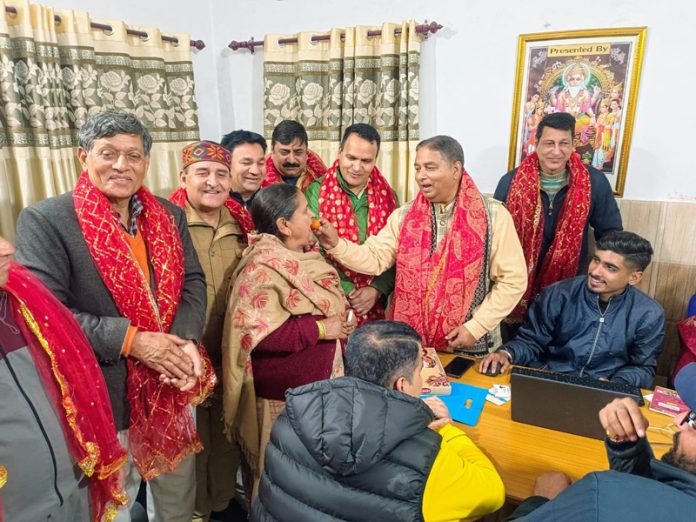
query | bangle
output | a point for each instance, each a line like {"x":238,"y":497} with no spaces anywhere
{"x":322,"y":330}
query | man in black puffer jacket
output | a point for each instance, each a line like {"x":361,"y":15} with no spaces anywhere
{"x":364,"y":447}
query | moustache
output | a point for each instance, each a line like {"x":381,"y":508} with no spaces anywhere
{"x":291,"y":165}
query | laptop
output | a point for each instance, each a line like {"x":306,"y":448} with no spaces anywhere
{"x":562,"y":402}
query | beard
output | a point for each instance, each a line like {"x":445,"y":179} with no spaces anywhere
{"x":676,"y":457}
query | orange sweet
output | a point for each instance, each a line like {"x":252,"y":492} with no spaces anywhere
{"x":315,"y":225}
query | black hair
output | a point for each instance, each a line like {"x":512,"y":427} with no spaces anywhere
{"x":382,"y":351}
{"x":450,"y":148}
{"x":365,"y":131}
{"x":635,"y":249}
{"x":240,"y":137}
{"x":272,"y":203}
{"x":287,"y":131}
{"x":557,"y":120}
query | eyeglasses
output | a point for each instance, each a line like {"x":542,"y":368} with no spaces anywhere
{"x":690,"y":419}
{"x":550,"y":145}
{"x":112,"y":156}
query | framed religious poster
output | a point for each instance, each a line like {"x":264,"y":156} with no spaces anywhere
{"x":594,"y":76}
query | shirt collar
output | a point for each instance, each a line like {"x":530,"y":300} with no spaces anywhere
{"x":346,"y":188}
{"x":135,"y":208}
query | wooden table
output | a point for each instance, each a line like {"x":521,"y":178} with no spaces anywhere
{"x":522,"y":452}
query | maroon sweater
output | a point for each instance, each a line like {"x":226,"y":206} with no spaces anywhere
{"x":290,"y":356}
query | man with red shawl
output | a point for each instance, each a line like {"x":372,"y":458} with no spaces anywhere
{"x":554,"y":198}
{"x":122,"y":261}
{"x":60,"y":457}
{"x":218,"y":225}
{"x":357,"y":200}
{"x":290,"y":160}
{"x":459,"y":264}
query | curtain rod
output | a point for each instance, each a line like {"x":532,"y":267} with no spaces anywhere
{"x":425,"y":29}
{"x":198,"y":44}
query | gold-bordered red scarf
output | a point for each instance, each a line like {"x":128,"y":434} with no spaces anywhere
{"x":434,"y":293}
{"x":75,"y":386}
{"x":162,"y":431}
{"x":524,"y":203}
{"x":334,"y":204}
{"x":687,"y":333}
{"x":315,"y":169}
{"x":238,"y":212}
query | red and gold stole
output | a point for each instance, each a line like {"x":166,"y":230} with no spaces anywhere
{"x":162,"y":431}
{"x":75,"y":386}
{"x":687,"y":333}
{"x":335,"y":205}
{"x":178,"y":197}
{"x":434,"y":292}
{"x":315,"y":170}
{"x":524,"y":203}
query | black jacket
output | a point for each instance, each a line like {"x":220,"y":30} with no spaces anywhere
{"x":349,"y":450}
{"x":604,"y":213}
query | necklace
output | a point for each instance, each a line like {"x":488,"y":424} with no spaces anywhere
{"x":3,"y":313}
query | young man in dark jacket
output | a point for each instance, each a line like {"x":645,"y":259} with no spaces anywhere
{"x":365,"y":447}
{"x":598,"y":325}
{"x":638,"y":487}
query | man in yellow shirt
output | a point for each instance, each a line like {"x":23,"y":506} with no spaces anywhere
{"x":460,"y":268}
{"x":365,"y":447}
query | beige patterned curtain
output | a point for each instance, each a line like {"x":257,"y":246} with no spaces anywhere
{"x":328,"y":85}
{"x":53,"y":76}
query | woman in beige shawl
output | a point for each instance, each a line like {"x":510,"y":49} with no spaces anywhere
{"x":284,"y":323}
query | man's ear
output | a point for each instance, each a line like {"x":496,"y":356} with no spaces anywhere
{"x":399,"y":384}
{"x":635,"y":277}
{"x":182,"y":179}
{"x":82,"y":156}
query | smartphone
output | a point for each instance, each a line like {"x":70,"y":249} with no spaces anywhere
{"x":457,"y":366}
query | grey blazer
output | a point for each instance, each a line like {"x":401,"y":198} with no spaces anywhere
{"x":50,"y":243}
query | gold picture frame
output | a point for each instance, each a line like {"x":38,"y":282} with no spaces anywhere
{"x":593,"y":74}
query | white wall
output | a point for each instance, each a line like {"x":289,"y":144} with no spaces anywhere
{"x":467,"y":74}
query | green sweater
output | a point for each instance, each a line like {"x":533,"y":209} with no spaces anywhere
{"x":384,"y":282}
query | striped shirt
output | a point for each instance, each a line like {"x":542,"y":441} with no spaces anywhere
{"x":553,"y":183}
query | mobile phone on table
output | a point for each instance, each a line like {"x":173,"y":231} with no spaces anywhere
{"x":457,"y":366}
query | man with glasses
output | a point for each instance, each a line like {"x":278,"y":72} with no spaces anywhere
{"x":638,"y":487}
{"x":122,"y":261}
{"x":554,"y":197}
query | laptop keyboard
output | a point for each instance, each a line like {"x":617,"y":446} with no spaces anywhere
{"x":588,"y":382}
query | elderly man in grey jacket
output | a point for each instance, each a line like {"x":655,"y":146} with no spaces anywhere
{"x":122,"y":261}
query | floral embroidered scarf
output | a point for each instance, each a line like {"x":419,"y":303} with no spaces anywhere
{"x":524,"y":203}
{"x":435,"y":287}
{"x":335,"y":206}
{"x":272,"y":283}
{"x":162,"y":431}
{"x":75,"y":385}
